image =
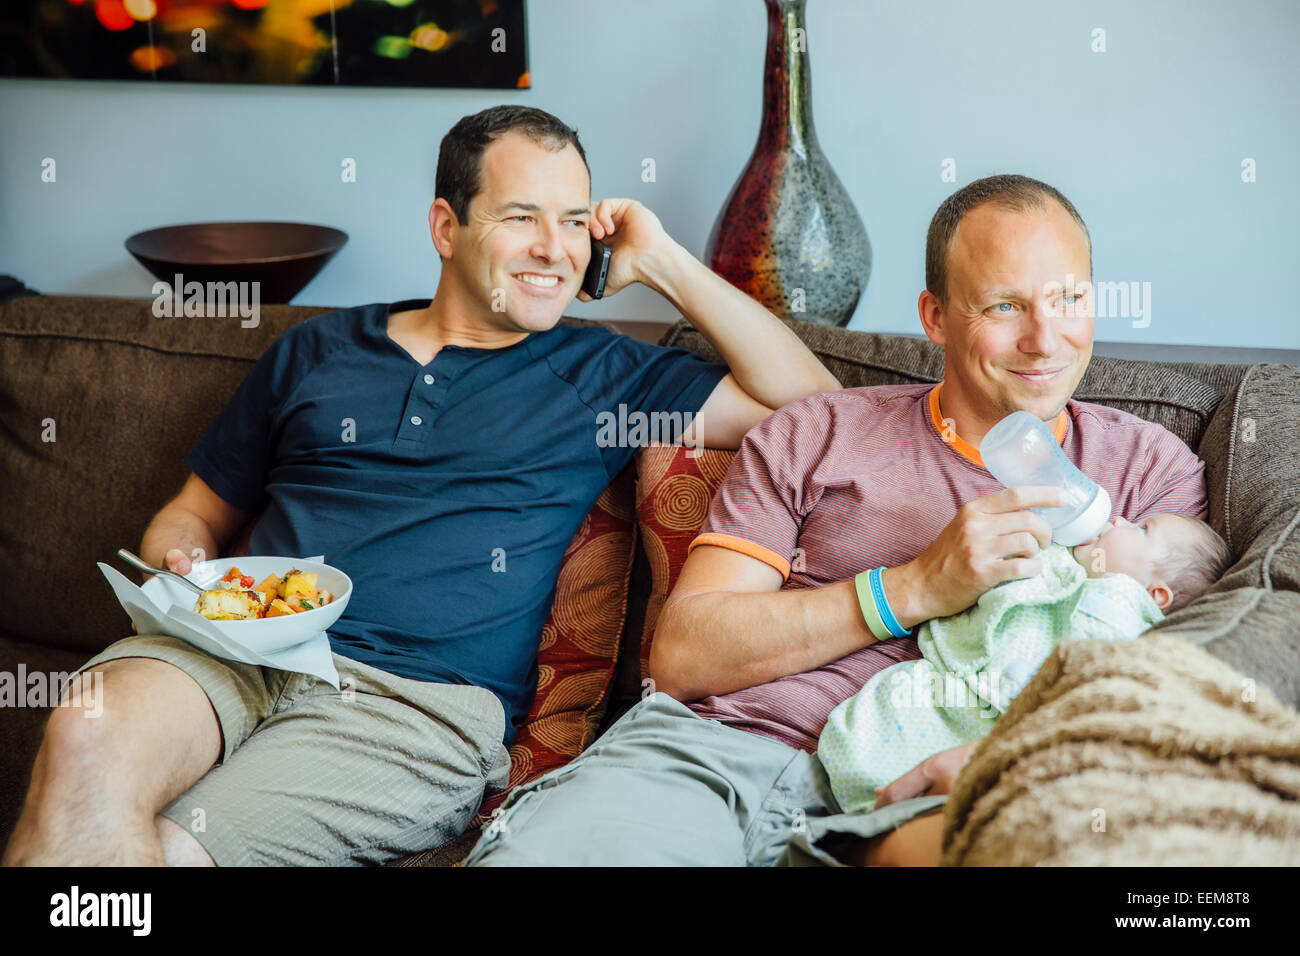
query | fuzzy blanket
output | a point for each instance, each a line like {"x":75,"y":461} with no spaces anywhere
{"x":1149,"y":753}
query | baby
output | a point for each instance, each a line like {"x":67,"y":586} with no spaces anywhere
{"x":973,"y":664}
{"x":1176,"y":558}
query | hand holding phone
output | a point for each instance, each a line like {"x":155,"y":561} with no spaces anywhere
{"x":593,"y":281}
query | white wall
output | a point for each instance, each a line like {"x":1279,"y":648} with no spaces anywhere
{"x":1147,"y":139}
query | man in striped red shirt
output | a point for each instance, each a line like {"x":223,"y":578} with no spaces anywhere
{"x":764,"y":632}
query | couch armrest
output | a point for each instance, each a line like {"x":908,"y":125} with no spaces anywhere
{"x":1250,"y":449}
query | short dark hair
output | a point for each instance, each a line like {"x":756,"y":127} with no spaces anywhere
{"x":1010,"y":191}
{"x":460,"y":158}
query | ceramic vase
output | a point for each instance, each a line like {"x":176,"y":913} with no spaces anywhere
{"x":788,"y":234}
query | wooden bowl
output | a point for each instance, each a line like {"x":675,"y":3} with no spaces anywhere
{"x":282,"y":256}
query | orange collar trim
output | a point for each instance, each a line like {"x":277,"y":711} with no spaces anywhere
{"x":965,"y":448}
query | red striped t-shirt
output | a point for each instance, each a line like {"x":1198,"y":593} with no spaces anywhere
{"x":844,"y":481}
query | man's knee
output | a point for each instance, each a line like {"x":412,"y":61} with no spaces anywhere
{"x":120,"y":708}
{"x":180,"y":848}
{"x":79,"y":729}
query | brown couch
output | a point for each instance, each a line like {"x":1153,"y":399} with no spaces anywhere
{"x":128,"y":394}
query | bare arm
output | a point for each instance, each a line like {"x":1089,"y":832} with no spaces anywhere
{"x":746,"y":335}
{"x":727,"y":626}
{"x":992,"y":539}
{"x":197,"y":522}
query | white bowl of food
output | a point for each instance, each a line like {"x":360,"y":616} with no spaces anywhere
{"x":266,"y":603}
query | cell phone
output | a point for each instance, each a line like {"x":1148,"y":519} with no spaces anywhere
{"x":593,"y":282}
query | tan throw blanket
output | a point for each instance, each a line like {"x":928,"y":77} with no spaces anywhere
{"x":1149,"y":753}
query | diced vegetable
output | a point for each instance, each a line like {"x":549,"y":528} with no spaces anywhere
{"x":298,"y":584}
{"x":278,"y":608}
{"x":235,"y":597}
{"x":269,"y":587}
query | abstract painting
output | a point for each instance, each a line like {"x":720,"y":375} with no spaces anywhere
{"x":436,"y":43}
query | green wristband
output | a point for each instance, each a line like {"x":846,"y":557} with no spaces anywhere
{"x":867,"y":602}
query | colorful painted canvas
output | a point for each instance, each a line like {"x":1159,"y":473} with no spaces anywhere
{"x":440,"y":43}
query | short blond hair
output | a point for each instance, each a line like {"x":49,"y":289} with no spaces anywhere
{"x":1190,"y":572}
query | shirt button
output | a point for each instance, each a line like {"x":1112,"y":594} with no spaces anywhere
{"x":428,"y":380}
{"x":416,"y":420}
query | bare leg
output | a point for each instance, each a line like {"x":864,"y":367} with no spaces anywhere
{"x":98,"y":782}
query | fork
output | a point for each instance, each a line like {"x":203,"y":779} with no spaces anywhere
{"x":141,"y":565}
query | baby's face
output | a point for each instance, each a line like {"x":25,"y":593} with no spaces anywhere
{"x":1134,"y":549}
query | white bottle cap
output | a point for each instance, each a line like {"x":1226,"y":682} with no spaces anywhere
{"x":1089,"y":523}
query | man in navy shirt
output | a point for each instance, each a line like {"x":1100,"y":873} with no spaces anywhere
{"x":443,"y":454}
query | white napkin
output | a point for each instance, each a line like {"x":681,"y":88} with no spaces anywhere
{"x":311,"y":656}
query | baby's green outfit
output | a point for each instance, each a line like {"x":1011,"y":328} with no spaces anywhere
{"x":973,"y":665}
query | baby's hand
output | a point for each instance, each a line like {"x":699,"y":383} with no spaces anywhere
{"x":934,"y":775}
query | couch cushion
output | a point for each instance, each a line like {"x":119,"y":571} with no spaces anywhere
{"x":1248,"y":618}
{"x":673,"y":491}
{"x":124,"y":395}
{"x":1182,"y":404}
{"x":1249,"y":449}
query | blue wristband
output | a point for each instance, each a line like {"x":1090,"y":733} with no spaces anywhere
{"x":882,"y":605}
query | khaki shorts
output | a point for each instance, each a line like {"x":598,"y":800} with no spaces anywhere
{"x":309,"y":775}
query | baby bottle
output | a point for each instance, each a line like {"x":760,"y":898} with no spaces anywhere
{"x":1021,"y":450}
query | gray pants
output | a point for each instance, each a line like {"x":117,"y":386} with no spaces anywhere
{"x":667,"y":787}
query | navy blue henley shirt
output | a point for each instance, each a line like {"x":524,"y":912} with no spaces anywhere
{"x":409,"y":477}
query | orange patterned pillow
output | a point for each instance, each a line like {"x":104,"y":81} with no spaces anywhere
{"x":579,"y":646}
{"x":673,"y":492}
